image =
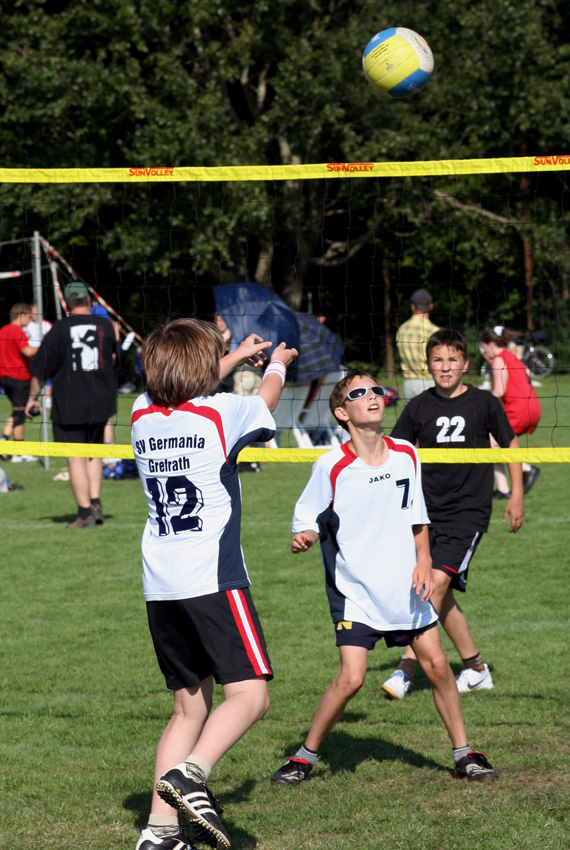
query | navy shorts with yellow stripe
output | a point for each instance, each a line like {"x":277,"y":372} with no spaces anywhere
{"x":215,"y":635}
{"x":349,"y":633}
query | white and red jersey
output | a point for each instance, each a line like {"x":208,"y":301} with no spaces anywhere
{"x":364,"y":517}
{"x":186,"y":460}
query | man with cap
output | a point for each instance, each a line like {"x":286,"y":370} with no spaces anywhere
{"x":78,"y":355}
{"x":411,"y":342}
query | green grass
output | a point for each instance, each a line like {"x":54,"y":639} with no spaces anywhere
{"x":83,"y":703}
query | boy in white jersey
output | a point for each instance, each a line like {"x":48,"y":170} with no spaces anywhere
{"x":364,"y":503}
{"x":202,"y":620}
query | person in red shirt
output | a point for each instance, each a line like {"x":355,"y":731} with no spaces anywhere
{"x":511,"y":384}
{"x":15,"y":352}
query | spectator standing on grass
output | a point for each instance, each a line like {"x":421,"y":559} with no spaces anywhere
{"x":364,"y":503}
{"x":15,"y":353}
{"x":511,"y":384}
{"x":201,"y":616}
{"x":411,"y":342}
{"x":78,"y":356}
{"x":459,"y":496}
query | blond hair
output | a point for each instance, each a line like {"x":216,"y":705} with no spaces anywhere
{"x":181,"y":360}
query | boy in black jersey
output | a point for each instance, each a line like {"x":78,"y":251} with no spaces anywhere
{"x":458,"y":496}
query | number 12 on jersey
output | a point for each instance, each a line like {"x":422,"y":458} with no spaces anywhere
{"x":177,"y":502}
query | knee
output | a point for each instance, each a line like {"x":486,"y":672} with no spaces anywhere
{"x":437,"y":668}
{"x":349,"y":684}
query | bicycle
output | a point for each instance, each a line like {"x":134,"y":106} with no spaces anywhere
{"x":538,"y":360}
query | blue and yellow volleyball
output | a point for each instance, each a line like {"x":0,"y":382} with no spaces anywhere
{"x":398,"y":61}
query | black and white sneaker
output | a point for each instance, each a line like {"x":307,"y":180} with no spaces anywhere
{"x":475,"y":767}
{"x":294,"y":771}
{"x":197,"y":804}
{"x":149,"y":841}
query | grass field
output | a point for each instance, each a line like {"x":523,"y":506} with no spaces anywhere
{"x":83,"y":703}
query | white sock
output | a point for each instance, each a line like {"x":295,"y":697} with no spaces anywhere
{"x":308,"y":755}
{"x":198,"y":768}
{"x":164,"y":826}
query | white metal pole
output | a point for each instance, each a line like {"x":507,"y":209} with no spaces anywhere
{"x":38,"y":301}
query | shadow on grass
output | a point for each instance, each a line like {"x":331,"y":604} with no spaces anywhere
{"x":67,"y":518}
{"x":344,"y":753}
{"x":139,"y":805}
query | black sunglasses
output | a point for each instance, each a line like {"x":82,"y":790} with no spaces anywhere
{"x":360,"y":392}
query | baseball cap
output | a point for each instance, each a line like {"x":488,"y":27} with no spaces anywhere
{"x":421,"y":296}
{"x":75,"y":290}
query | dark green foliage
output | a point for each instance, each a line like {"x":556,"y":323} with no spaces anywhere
{"x":112,"y":83}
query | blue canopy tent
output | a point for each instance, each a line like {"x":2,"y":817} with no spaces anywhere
{"x":250,"y":308}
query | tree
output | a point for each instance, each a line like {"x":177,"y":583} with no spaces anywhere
{"x":119,"y":82}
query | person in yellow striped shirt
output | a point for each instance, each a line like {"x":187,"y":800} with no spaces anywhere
{"x":411,"y":342}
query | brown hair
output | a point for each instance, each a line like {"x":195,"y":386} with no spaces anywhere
{"x":339,"y":392}
{"x":502,"y":339}
{"x":449,"y":338}
{"x":181,"y":360}
{"x":19,"y":310}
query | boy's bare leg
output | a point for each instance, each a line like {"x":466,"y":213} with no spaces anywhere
{"x":245,"y":703}
{"x":453,"y":621}
{"x":94,"y":477}
{"x":435,"y":665}
{"x":191,"y":709}
{"x":348,"y":681}
{"x":451,"y":618}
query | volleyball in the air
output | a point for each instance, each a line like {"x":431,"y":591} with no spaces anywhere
{"x":398,"y":61}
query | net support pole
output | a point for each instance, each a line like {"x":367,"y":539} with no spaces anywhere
{"x":38,"y":301}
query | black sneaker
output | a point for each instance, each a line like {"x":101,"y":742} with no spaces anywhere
{"x":149,"y":841}
{"x":498,"y":495}
{"x":529,"y":478}
{"x":294,"y":771}
{"x":197,"y":804}
{"x":475,"y":767}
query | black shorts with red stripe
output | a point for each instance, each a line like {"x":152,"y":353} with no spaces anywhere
{"x":451,"y":552}
{"x":216,"y":635}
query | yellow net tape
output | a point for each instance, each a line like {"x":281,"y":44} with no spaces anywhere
{"x":310,"y":171}
{"x":261,"y":455}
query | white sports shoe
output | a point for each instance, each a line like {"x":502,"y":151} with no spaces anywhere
{"x":474,"y":680}
{"x":24,"y":458}
{"x":397,"y":685}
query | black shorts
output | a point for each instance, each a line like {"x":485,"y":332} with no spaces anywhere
{"x":88,"y":433}
{"x":357,"y":634}
{"x":216,"y":635}
{"x":17,"y":391}
{"x":451,"y":552}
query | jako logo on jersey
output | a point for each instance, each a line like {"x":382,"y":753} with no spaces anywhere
{"x":350,"y":166}
{"x":385,"y":477}
{"x":151,"y":172}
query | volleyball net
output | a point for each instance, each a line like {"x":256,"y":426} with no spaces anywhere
{"x":350,"y":242}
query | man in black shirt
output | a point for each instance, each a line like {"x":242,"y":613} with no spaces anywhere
{"x":78,"y":355}
{"x":458,"y":496}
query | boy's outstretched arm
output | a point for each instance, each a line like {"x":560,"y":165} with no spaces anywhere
{"x":422,"y":577}
{"x":274,"y":377}
{"x":303,"y":540}
{"x":515,"y":505}
{"x":249,"y":351}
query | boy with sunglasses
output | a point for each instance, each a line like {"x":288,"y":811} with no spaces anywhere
{"x":364,"y":503}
